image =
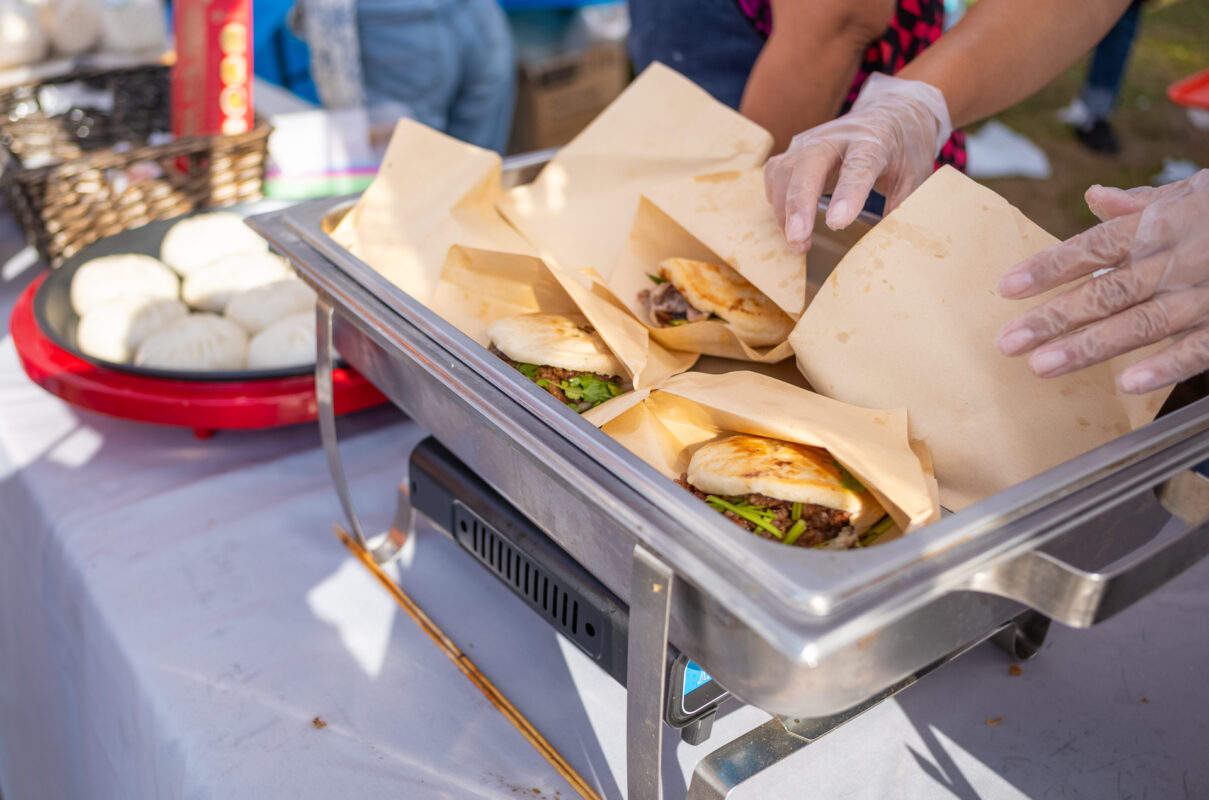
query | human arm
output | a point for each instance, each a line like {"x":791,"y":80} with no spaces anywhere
{"x":1002,"y":51}
{"x":1156,"y":242}
{"x":988,"y":61}
{"x":805,"y":69}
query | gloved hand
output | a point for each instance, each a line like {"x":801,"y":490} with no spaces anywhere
{"x":1158,"y":242}
{"x":896,"y":128}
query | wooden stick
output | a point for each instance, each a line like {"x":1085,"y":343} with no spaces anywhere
{"x":467,"y":668}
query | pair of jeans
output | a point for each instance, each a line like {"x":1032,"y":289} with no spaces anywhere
{"x":1108,"y":62}
{"x":450,"y":61}
{"x":710,"y":42}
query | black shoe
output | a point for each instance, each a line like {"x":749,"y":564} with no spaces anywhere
{"x":1099,"y":138}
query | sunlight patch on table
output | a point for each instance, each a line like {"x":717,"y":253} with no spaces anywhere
{"x":353,"y":603}
{"x":77,"y":448}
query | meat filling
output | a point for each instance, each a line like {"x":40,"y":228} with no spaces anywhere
{"x":822,"y":524}
{"x":554,"y":376}
{"x":665,"y":304}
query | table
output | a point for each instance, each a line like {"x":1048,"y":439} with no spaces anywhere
{"x":177,"y":620}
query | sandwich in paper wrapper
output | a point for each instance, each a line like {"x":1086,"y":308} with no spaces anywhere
{"x":706,"y":267}
{"x":535,"y":316}
{"x":782,"y":462}
{"x":908,"y":319}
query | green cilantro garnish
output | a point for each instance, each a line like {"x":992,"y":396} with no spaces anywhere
{"x":795,"y":531}
{"x":589,"y":389}
{"x":677,"y":322}
{"x":848,"y":480}
{"x":583,"y":391}
{"x":873,"y":534}
{"x":656,"y":279}
{"x":757,"y":515}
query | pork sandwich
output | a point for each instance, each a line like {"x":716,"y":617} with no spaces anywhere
{"x":693,"y":291}
{"x":560,"y":353}
{"x":787,"y":492}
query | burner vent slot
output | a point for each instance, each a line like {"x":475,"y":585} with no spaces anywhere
{"x":538,"y":586}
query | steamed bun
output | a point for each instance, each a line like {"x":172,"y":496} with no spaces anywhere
{"x":211,"y":287}
{"x":195,"y":242}
{"x":257,"y":309}
{"x":133,"y":26}
{"x":22,"y":40}
{"x":72,"y":25}
{"x":289,"y":342}
{"x":114,"y":329}
{"x":115,"y":276}
{"x":197,"y":342}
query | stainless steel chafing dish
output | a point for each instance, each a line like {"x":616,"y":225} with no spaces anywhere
{"x":814,"y":637}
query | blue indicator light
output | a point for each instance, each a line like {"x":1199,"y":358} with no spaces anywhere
{"x":694,"y":677}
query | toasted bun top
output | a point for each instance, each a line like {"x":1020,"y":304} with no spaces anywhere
{"x":717,"y":288}
{"x":788,"y":471}
{"x":565,"y":341}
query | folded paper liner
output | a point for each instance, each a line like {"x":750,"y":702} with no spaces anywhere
{"x":666,"y":426}
{"x":477,"y":287}
{"x":431,"y":193}
{"x":722,"y":218}
{"x":908,"y":319}
{"x":578,"y":211}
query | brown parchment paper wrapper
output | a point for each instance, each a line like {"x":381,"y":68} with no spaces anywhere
{"x":723,"y":218}
{"x":668,"y":424}
{"x":729,"y":213}
{"x":431,"y":192}
{"x":908,"y":318}
{"x":478,"y":287}
{"x":662,"y":127}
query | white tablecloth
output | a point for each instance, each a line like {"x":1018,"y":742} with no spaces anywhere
{"x":175,"y":615}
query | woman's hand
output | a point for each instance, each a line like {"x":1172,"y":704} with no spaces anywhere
{"x":1156,"y":242}
{"x":895,"y":129}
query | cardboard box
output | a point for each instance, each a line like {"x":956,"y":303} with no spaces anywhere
{"x":559,"y":95}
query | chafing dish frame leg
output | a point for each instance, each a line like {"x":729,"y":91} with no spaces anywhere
{"x":1023,"y":637}
{"x":325,"y":362}
{"x":716,"y":775}
{"x":650,"y":607}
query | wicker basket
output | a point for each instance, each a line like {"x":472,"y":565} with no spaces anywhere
{"x":102,"y":175}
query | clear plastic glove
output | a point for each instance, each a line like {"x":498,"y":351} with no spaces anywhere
{"x":896,"y":128}
{"x":1156,"y":242}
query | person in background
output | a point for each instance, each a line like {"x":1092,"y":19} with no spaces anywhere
{"x":786,"y":64}
{"x":1154,"y":241}
{"x":281,"y":58}
{"x":447,"y":63}
{"x":1089,"y":112}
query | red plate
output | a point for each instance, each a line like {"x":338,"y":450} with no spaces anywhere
{"x":1191,"y":91}
{"x":204,"y":406}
